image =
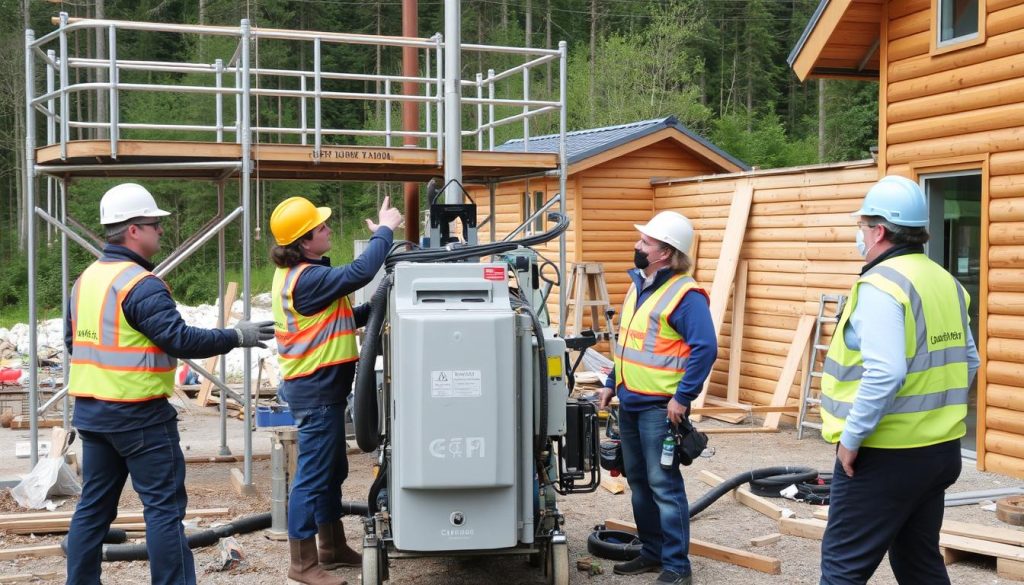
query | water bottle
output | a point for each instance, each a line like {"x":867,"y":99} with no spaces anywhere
{"x":668,"y":450}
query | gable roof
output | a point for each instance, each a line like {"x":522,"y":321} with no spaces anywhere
{"x":841,"y":40}
{"x":583,"y":144}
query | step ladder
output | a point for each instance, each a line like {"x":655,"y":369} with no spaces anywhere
{"x":587,"y":290}
{"x":810,"y":397}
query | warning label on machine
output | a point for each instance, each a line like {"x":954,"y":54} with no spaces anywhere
{"x":456,"y":384}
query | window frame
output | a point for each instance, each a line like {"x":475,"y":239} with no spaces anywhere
{"x":938,"y":46}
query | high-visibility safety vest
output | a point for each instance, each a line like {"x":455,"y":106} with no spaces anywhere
{"x":307,"y":343}
{"x":650,"y":356}
{"x":111,"y":360}
{"x":931,"y":405}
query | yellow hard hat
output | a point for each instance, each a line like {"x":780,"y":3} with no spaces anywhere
{"x":295,"y":216}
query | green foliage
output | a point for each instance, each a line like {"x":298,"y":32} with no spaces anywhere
{"x":761,"y":141}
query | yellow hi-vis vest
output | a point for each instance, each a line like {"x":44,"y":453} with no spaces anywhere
{"x":650,"y":356}
{"x":110,"y":360}
{"x":931,"y":405}
{"x":307,"y":343}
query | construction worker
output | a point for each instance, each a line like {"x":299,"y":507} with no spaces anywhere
{"x":315,"y":326}
{"x":124,"y":334}
{"x":894,"y":397}
{"x":666,"y":348}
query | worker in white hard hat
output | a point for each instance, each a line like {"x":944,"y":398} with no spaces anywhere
{"x":125,"y":335}
{"x":316,"y":325}
{"x":894,"y":397}
{"x":665,"y":350}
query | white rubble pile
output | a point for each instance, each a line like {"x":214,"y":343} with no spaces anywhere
{"x":51,"y":333}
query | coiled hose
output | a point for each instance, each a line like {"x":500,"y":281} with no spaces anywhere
{"x":138,"y":552}
{"x":367,"y":419}
{"x":617,"y":545}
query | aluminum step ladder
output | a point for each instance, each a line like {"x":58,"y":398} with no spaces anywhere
{"x":810,"y":397}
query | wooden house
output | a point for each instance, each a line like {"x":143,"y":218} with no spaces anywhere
{"x":951,"y":116}
{"x":609,"y":188}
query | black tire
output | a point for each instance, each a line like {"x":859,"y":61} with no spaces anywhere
{"x":614,"y":545}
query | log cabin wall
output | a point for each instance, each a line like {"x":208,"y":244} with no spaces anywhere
{"x":799,"y":244}
{"x":963,"y":109}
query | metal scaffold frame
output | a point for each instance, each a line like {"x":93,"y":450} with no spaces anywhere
{"x":442,"y":92}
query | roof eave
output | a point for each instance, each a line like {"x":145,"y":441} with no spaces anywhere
{"x":816,"y":34}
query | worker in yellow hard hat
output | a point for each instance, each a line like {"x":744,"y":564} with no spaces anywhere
{"x":315,"y":327}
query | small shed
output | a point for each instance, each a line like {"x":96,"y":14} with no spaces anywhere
{"x":609,"y":188}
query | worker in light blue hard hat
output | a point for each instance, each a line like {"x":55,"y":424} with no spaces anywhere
{"x":894,"y":397}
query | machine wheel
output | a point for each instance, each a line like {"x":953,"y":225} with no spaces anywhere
{"x":373,"y":561}
{"x":558,"y":564}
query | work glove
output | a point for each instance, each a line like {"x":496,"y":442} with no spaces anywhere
{"x":254,"y":333}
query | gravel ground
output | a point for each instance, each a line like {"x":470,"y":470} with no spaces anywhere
{"x":725,"y":522}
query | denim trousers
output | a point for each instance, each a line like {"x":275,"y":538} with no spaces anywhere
{"x":322,"y":467}
{"x":893,"y":503}
{"x":152,"y":456}
{"x":660,"y":508}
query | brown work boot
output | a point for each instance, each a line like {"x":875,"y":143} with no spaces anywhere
{"x":304,"y":568}
{"x":333,"y":550}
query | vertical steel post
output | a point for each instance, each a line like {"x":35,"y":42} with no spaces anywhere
{"x":222,"y":268}
{"x":247,"y":244}
{"x":302,"y":108}
{"x":526,"y":109}
{"x":51,"y":134}
{"x":30,"y":217}
{"x":65,"y":280}
{"x":218,"y":67}
{"x":439,"y":103}
{"x":387,"y":113}
{"x":427,"y":91}
{"x":316,"y":100}
{"x":65,"y":95}
{"x":490,"y":111}
{"x":112,"y":42}
{"x":563,"y":60}
{"x":479,"y":112}
{"x":453,"y":100}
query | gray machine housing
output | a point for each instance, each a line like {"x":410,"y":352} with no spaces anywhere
{"x":461,"y":395}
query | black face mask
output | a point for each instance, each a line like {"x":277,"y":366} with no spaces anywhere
{"x":640,"y":259}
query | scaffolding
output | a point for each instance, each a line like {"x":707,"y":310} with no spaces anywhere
{"x":226,"y":146}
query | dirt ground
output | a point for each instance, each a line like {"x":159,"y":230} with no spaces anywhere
{"x":724,"y":522}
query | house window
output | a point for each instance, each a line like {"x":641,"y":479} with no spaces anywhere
{"x":538,"y":202}
{"x":958,"y":21}
{"x":530,"y":203}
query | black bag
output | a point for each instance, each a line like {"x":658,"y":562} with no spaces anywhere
{"x":690,"y":442}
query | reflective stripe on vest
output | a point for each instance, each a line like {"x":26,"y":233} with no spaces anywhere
{"x":650,"y":356}
{"x":930,"y":406}
{"x":110,"y":360}
{"x":308,"y":343}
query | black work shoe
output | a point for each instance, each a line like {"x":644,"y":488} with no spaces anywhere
{"x":673,"y":578}
{"x":641,"y":564}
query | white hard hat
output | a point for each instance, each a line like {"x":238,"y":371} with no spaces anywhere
{"x":128,"y":201}
{"x":898,"y":199}
{"x":671,"y":228}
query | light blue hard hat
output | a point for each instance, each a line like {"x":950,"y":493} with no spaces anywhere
{"x":897,"y":199}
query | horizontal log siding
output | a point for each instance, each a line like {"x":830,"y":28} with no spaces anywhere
{"x":798,"y":245}
{"x":971,"y":102}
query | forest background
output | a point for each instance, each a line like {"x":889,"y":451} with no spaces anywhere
{"x":719,"y":66}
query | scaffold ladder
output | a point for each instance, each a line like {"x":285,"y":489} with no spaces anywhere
{"x":810,"y":396}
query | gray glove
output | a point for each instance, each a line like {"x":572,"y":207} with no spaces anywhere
{"x":253,"y":333}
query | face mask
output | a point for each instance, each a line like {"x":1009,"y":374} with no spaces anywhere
{"x":640,"y":259}
{"x":862,"y":246}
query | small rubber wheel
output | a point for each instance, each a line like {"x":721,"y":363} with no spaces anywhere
{"x":558,"y":562}
{"x":372,"y":560}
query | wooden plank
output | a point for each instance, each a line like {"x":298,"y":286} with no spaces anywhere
{"x":766,"y":539}
{"x":981,"y":547}
{"x":615,"y":485}
{"x":803,"y":527}
{"x":735,"y":413}
{"x":821,"y":513}
{"x":716,"y":552}
{"x":746,"y":497}
{"x":728,"y":260}
{"x":35,"y":552}
{"x":57,"y":522}
{"x":737,"y":430}
{"x":211,"y":363}
{"x":796,"y":352}
{"x":745,"y":408}
{"x":238,"y":483}
{"x":31,"y":577}
{"x":981,"y":532}
{"x":1008,"y":569}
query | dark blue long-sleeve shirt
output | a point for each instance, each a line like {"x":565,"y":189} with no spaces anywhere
{"x":692,"y":320}
{"x":317,"y":287}
{"x":149,"y":309}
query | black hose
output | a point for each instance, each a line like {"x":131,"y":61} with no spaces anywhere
{"x":367,"y":419}
{"x":375,"y":487}
{"x":619,"y":546}
{"x":738,"y":480}
{"x":244,"y":525}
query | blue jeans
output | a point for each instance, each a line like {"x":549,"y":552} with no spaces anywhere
{"x":660,"y":508}
{"x":153,"y":457}
{"x":322,"y":467}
